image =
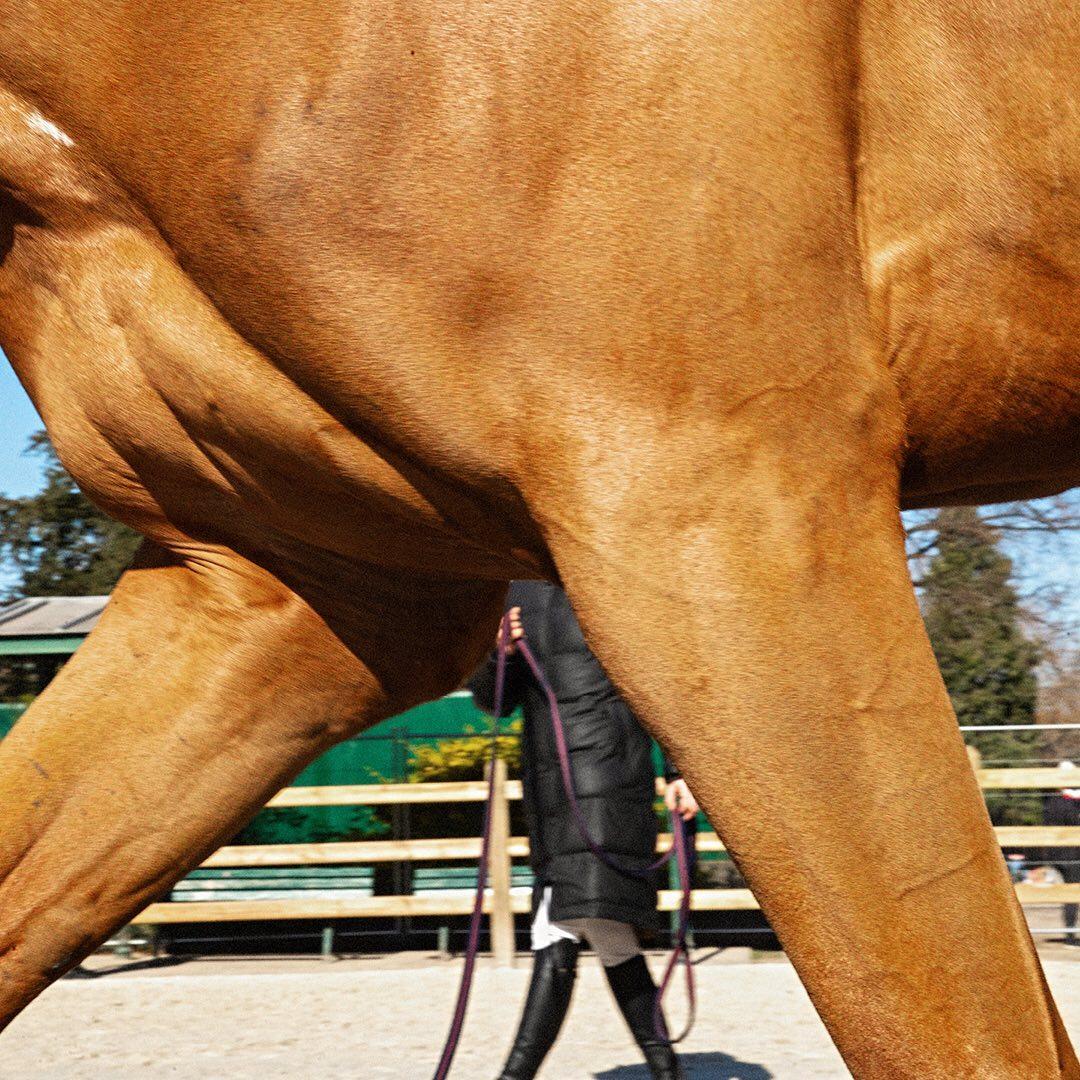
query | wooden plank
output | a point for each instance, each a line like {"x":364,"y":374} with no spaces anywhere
{"x":704,"y":841}
{"x":304,"y":908}
{"x":710,"y":900}
{"x":1048,"y":894}
{"x":360,"y":851}
{"x":476,"y":790}
{"x":391,"y":906}
{"x":468,"y":848}
{"x":743,"y":899}
{"x":389,"y":794}
{"x":1008,"y":836}
{"x":1029,"y":779}
{"x":461,"y":904}
{"x":1038,"y":835}
{"x":502,"y":914}
{"x":373,"y":851}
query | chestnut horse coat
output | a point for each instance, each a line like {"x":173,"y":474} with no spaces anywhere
{"x":359,"y":309}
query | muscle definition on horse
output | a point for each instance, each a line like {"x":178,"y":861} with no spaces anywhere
{"x":357,"y":311}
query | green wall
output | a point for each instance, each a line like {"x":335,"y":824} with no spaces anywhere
{"x":379,"y":755}
{"x":8,"y":715}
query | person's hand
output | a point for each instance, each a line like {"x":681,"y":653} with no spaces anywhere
{"x":679,"y":800}
{"x":516,"y":631}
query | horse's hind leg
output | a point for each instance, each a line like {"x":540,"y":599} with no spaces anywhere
{"x":205,"y":688}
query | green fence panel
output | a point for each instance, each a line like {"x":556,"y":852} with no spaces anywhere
{"x":8,"y":715}
{"x":379,"y":755}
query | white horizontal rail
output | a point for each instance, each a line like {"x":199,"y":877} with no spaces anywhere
{"x":1020,"y":727}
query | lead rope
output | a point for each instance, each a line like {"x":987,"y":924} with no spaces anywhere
{"x":454,"y":1035}
{"x":681,"y":950}
{"x":678,"y":851}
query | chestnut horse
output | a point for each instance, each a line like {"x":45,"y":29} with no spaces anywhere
{"x":357,"y":310}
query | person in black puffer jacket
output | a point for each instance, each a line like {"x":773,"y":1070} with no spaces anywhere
{"x":576,"y":895}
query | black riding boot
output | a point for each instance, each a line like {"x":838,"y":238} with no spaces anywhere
{"x":635,"y":993}
{"x":550,"y":989}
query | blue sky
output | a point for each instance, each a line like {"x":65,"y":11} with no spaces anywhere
{"x":1053,"y":562}
{"x":19,"y":473}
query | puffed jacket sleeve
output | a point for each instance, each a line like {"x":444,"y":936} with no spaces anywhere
{"x":482,"y":684}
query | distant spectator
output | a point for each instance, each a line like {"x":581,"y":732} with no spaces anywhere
{"x":1063,"y":809}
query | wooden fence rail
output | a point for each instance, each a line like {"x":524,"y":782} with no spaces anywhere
{"x":502,"y":904}
{"x":468,"y":848}
{"x":460,"y":791}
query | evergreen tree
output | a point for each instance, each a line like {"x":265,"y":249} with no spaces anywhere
{"x":973,"y":617}
{"x":59,"y":543}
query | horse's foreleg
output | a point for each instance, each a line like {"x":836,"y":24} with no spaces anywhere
{"x":205,"y":688}
{"x":772,"y":641}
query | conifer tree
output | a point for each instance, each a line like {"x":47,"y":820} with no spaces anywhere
{"x":58,"y":544}
{"x":57,"y":541}
{"x":973,"y":617}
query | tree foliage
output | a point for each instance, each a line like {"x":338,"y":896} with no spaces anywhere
{"x":312,"y":825}
{"x":1039,"y":531}
{"x":974,"y":620}
{"x":464,"y":758}
{"x":57,"y":541}
{"x":461,"y":759}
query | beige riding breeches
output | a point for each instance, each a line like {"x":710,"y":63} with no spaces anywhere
{"x":613,"y":942}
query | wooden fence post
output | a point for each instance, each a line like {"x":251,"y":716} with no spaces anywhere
{"x":503,"y":946}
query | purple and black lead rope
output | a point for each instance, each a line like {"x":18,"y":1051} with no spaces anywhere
{"x":678,"y":851}
{"x":473,"y":947}
{"x":681,"y":950}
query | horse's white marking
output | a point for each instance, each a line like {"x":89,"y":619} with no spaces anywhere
{"x":883,"y":257}
{"x":47,"y":127}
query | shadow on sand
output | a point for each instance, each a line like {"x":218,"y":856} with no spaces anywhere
{"x":698,"y":1067}
{"x":81,"y":972}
